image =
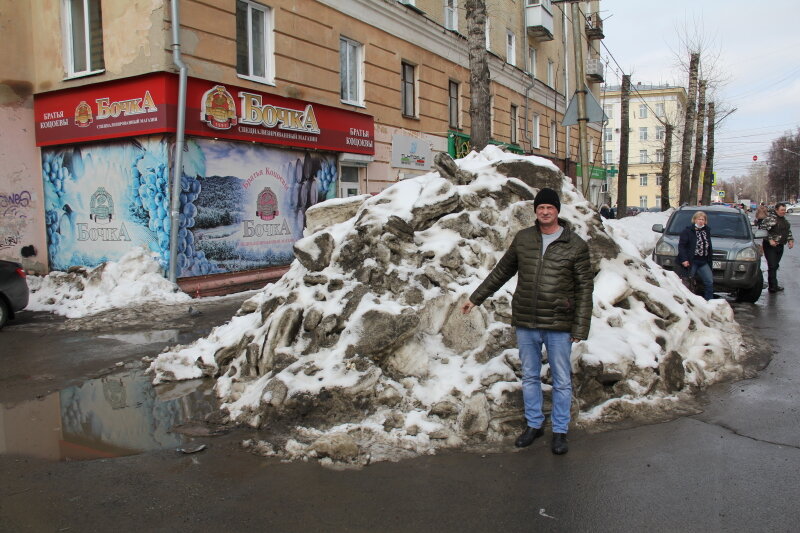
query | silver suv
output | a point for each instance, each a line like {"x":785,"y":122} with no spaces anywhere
{"x":736,"y":263}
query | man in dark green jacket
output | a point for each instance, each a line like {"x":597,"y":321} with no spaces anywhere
{"x":552,"y":306}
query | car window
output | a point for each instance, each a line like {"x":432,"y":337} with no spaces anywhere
{"x":730,"y":225}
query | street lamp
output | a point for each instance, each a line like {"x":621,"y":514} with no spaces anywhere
{"x":797,"y":198}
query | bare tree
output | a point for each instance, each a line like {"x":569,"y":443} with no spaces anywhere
{"x":698,"y":142}
{"x":688,"y":130}
{"x":622,"y":177}
{"x":479,"y":82}
{"x":666,"y":167}
{"x":708,"y":173}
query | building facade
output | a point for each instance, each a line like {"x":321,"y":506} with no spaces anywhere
{"x":287,"y":103}
{"x":651,"y":108}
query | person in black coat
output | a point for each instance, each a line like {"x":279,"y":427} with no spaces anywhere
{"x":695,"y":252}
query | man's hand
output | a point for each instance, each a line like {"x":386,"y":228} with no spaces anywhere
{"x":576,"y":339}
{"x":685,"y":264}
{"x":773,"y":242}
{"x":467,"y":307}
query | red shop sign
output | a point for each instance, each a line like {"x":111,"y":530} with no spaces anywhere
{"x":147,"y":104}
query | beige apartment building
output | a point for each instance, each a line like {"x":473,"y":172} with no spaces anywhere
{"x":651,"y":108}
{"x":287,"y":103}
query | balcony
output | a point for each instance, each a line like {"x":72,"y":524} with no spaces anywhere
{"x":594,"y":70}
{"x":594,"y":27}
{"x":539,"y":20}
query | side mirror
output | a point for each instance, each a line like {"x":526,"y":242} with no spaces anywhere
{"x":658,"y":228}
{"x":760,"y":234}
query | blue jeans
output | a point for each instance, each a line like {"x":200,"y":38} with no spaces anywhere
{"x":559,"y":348}
{"x":703,"y":269}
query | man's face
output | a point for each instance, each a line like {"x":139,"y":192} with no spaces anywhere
{"x":546,"y":214}
{"x":781,"y":211}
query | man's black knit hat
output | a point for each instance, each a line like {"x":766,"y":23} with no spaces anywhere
{"x":547,"y":196}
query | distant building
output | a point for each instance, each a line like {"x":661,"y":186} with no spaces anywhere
{"x":651,"y":107}
{"x":288,"y":103}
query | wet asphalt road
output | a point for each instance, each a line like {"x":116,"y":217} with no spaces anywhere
{"x":732,"y":467}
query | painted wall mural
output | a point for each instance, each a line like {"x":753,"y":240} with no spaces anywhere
{"x":242,"y":205}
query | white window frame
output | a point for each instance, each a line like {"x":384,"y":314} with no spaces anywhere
{"x":658,"y":182}
{"x":69,"y":26}
{"x":553,"y":137}
{"x":536,"y":131}
{"x":642,"y":110}
{"x":660,"y":133}
{"x":532,"y":61}
{"x":451,"y":15}
{"x":608,"y":157}
{"x":550,"y":73}
{"x":643,"y":180}
{"x":608,"y":135}
{"x":269,"y":44}
{"x":514,"y":124}
{"x":643,"y":201}
{"x":454,"y":104}
{"x":659,"y":155}
{"x":405,"y":85}
{"x":643,"y":133}
{"x":511,"y":48}
{"x":347,"y":49}
{"x":642,"y":156}
{"x":608,"y":109}
{"x":660,"y":109}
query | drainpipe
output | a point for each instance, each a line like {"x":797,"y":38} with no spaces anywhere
{"x":177,"y":169}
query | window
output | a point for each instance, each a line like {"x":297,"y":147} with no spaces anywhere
{"x":658,"y":201}
{"x":643,"y":134}
{"x":488,"y":35}
{"x":348,"y":182}
{"x":513,"y":124}
{"x":511,"y":48}
{"x":453,"y":108}
{"x":609,"y":110}
{"x":536,"y":131}
{"x":550,"y":73}
{"x":408,"y":92}
{"x":532,"y":61}
{"x":643,"y":201}
{"x":660,"y":109}
{"x":658,"y":182}
{"x":642,"y":110}
{"x":84,"y":35}
{"x":659,"y":155}
{"x":607,"y":135}
{"x":642,"y":156}
{"x":450,"y":15}
{"x":350,"y":64}
{"x":553,"y":147}
{"x":254,"y":41}
{"x":608,"y":157}
{"x":660,"y":133}
{"x":643,"y":180}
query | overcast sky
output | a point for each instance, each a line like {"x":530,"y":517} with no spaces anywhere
{"x":753,"y":46}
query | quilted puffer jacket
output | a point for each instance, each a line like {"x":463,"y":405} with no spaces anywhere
{"x":554,"y":291}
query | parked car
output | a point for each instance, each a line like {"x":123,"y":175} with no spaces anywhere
{"x":13,"y":290}
{"x":793,"y":208}
{"x":634,"y":210}
{"x":736,"y":261}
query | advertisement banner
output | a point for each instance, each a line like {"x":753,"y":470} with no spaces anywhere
{"x":244,"y":206}
{"x":410,"y":152}
{"x":148,"y":104}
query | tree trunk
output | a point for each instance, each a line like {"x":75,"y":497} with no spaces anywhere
{"x":708,"y":175}
{"x":622,"y":177}
{"x":688,"y":129}
{"x":698,"y":143}
{"x":665,"y":169}
{"x":480,"y":101}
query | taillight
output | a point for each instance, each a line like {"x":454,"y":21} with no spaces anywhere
{"x":21,"y":273}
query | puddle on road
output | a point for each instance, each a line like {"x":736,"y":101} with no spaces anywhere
{"x":113,"y":416}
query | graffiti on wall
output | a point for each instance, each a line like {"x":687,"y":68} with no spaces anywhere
{"x":13,"y":217}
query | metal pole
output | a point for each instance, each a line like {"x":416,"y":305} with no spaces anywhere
{"x":177,"y":169}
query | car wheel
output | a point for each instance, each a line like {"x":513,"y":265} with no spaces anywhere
{"x":4,"y":312}
{"x":752,"y":294}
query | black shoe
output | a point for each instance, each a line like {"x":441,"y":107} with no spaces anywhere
{"x":779,"y":288}
{"x":528,"y":436}
{"x":772,"y":289}
{"x":559,"y":445}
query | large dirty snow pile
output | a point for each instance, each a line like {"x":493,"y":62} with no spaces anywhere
{"x":136,"y":278}
{"x":361,"y":349}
